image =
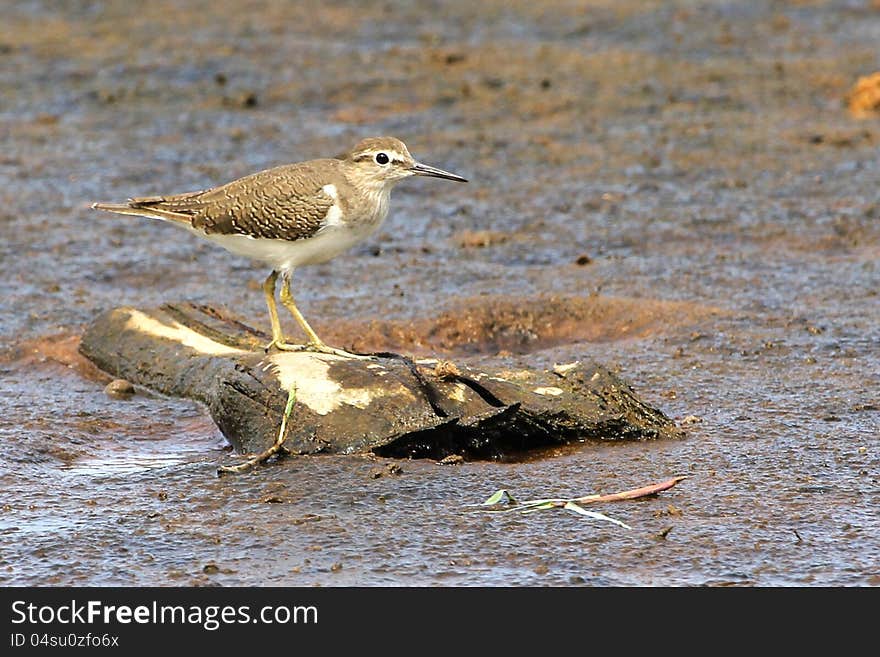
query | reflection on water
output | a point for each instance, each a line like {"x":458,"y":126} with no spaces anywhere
{"x":125,"y":463}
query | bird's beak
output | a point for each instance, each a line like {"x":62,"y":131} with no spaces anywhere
{"x":424,"y":170}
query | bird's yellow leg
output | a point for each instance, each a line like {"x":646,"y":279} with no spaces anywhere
{"x":315,"y":343}
{"x":277,"y":335}
{"x":290,"y":304}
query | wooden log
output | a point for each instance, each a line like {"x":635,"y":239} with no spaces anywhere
{"x":392,"y":405}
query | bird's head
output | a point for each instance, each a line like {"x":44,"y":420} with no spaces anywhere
{"x":380,"y":162}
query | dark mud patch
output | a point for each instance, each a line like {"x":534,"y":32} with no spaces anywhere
{"x":519,"y":326}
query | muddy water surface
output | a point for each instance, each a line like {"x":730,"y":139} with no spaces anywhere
{"x":673,"y":189}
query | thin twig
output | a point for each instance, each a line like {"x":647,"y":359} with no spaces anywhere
{"x":496,"y":503}
{"x":632,"y":494}
{"x":265,"y":455}
{"x":651,"y":489}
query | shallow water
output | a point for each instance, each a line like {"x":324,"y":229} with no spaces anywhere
{"x":700,"y":155}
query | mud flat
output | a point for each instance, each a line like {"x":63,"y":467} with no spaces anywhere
{"x":680,"y":191}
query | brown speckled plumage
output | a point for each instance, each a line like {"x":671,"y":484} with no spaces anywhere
{"x":285,"y":202}
{"x":289,"y":202}
{"x":293,"y":215}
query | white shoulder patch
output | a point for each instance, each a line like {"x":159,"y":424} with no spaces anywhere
{"x":334,"y":214}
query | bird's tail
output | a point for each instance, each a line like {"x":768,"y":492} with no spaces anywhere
{"x":138,"y":207}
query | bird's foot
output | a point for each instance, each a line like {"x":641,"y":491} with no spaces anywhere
{"x":316,"y":347}
{"x":322,"y":348}
{"x":281,"y":345}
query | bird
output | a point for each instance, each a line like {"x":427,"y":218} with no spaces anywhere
{"x":293,"y":215}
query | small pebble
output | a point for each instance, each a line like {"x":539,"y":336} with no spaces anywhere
{"x":119,"y":388}
{"x":562,"y":369}
{"x":662,"y":534}
{"x":446,"y":369}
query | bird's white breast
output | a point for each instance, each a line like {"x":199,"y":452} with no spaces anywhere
{"x":284,"y":255}
{"x":338,"y":234}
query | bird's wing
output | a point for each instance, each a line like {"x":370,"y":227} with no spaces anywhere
{"x":286,"y":202}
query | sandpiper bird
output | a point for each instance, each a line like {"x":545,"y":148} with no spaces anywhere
{"x":293,"y":215}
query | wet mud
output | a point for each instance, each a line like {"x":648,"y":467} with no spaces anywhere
{"x":521,"y":325}
{"x":679,"y":191}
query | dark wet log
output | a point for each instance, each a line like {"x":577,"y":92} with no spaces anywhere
{"x":391,"y":406}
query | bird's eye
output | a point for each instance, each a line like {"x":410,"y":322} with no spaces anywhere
{"x":382,"y":158}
